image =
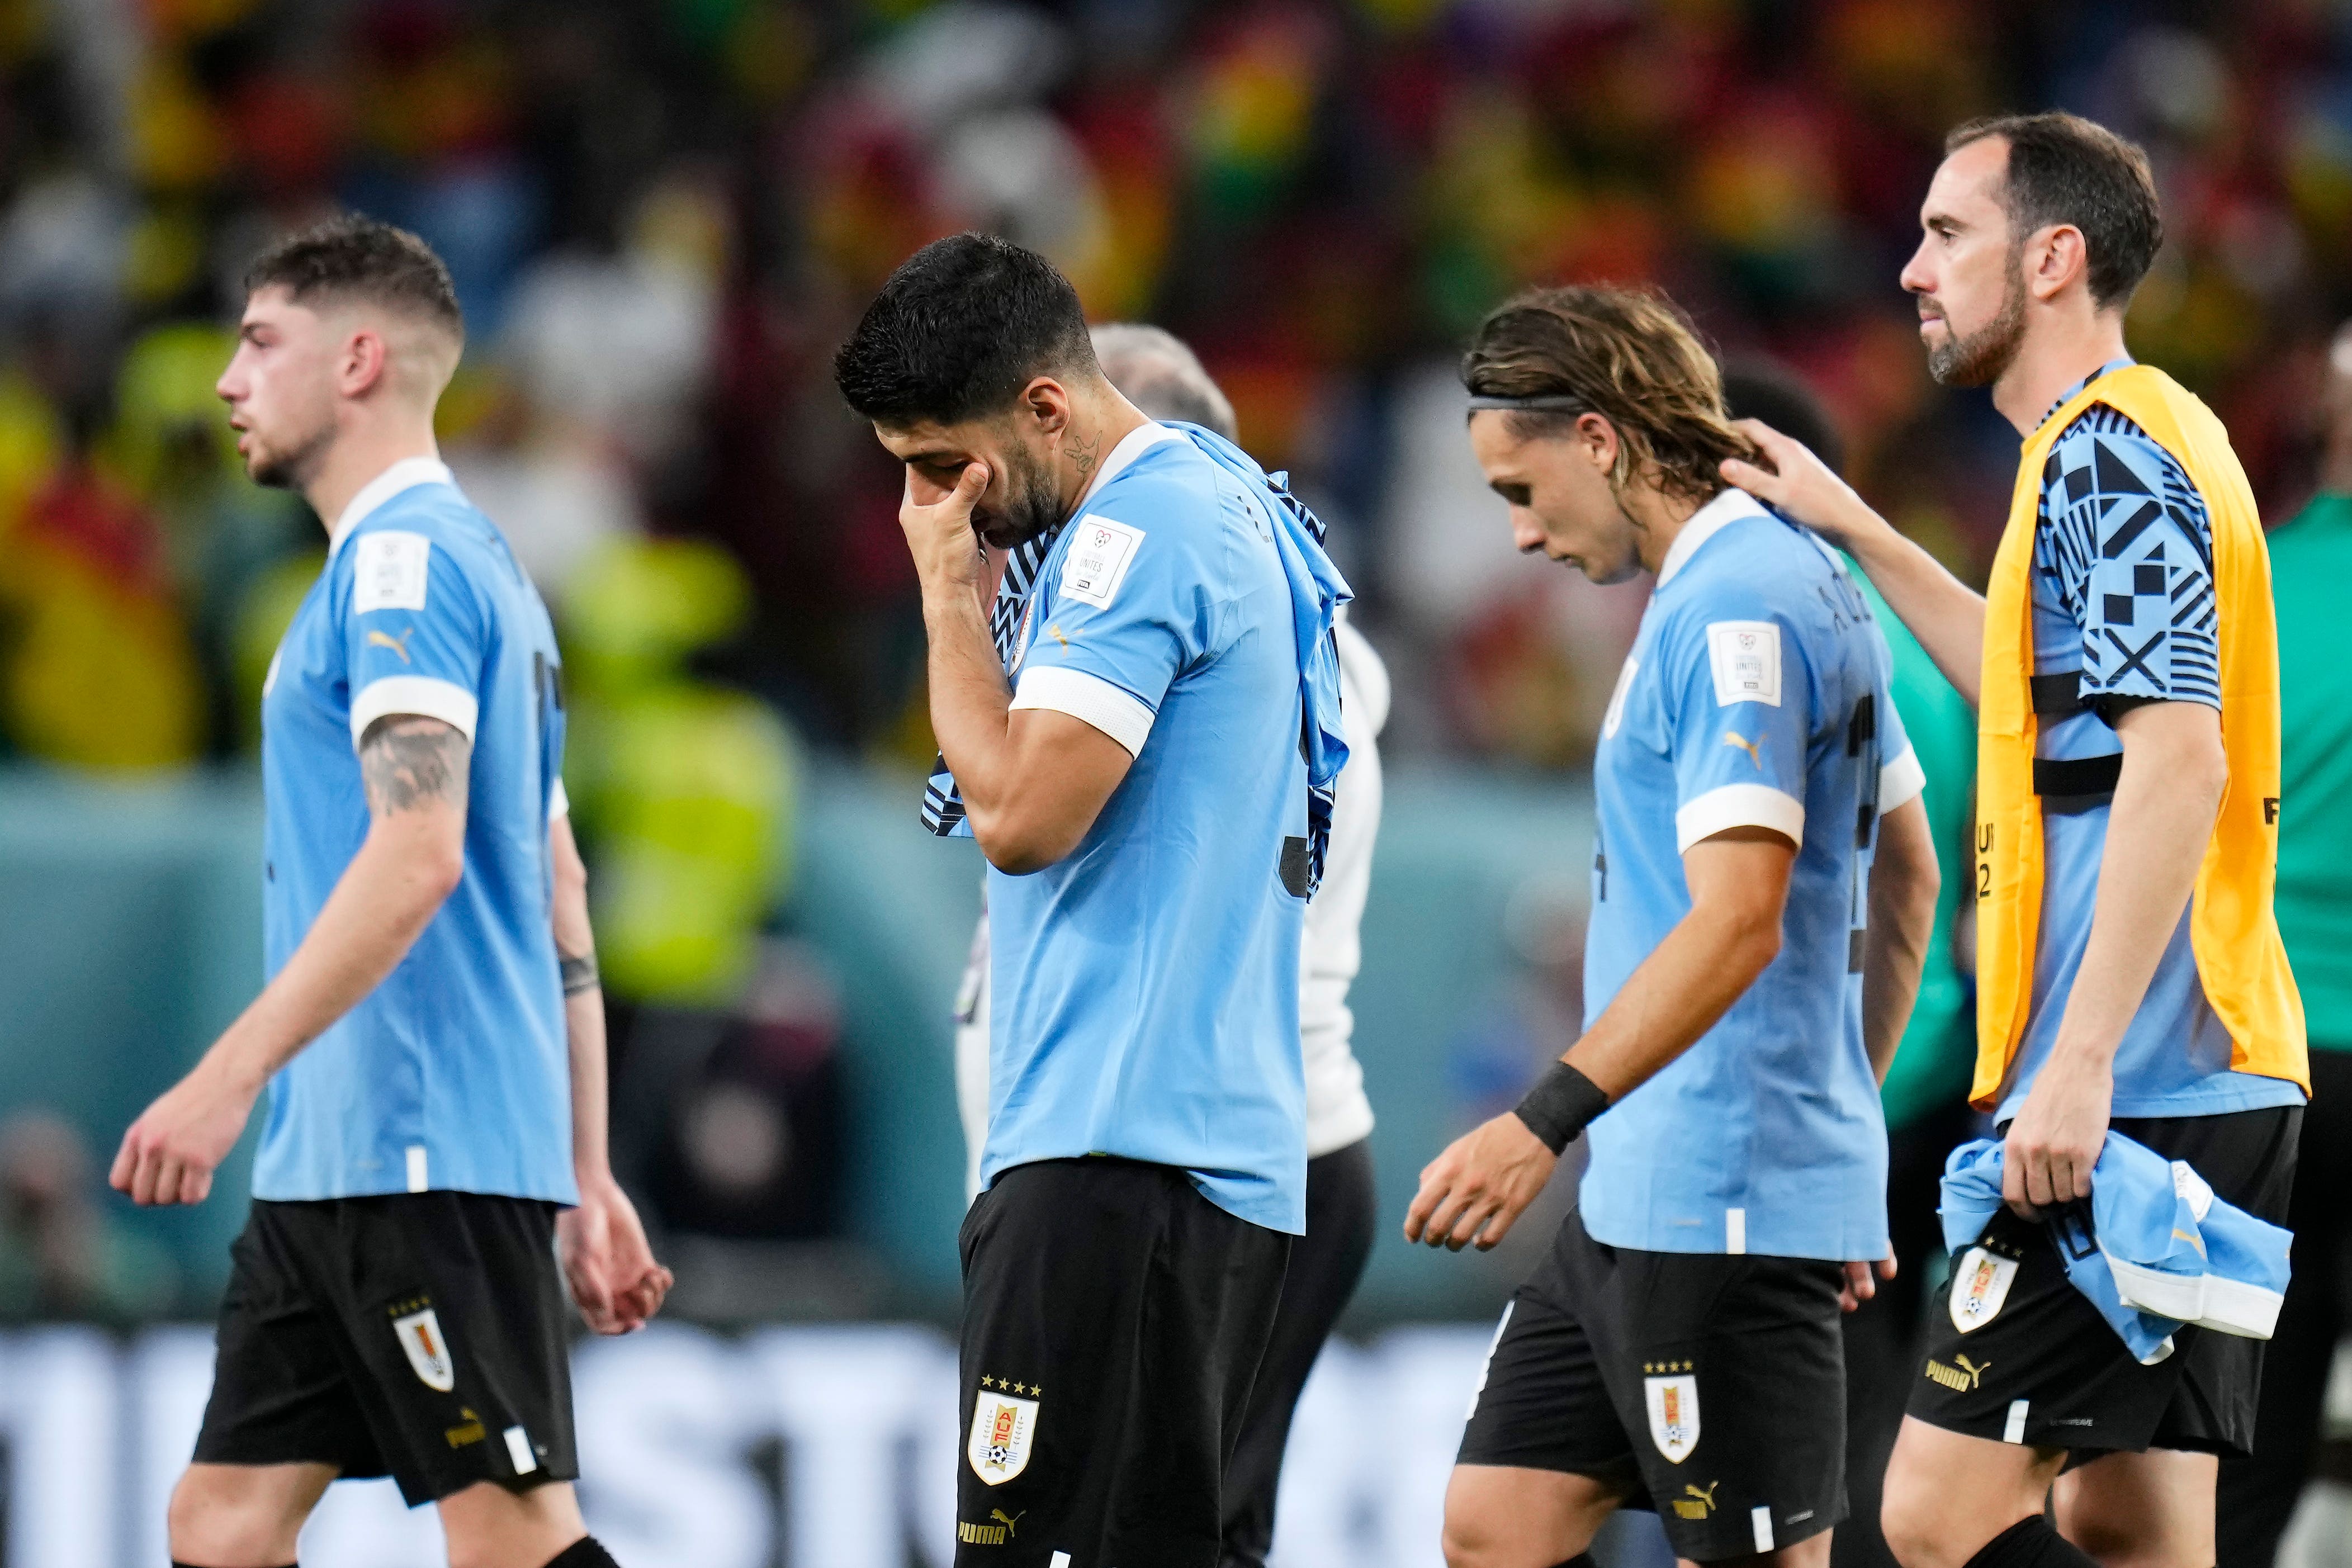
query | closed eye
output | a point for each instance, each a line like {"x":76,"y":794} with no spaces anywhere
{"x":1517,"y":494}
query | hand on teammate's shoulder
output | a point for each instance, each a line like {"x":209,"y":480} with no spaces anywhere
{"x":1799,"y":486}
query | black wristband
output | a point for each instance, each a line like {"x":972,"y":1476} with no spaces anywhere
{"x":1558,"y":1108}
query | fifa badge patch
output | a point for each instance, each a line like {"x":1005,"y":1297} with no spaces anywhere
{"x":1004,"y":1430}
{"x":1674,"y":1415}
{"x":1099,"y":555}
{"x":1979,"y":1286}
{"x":428,"y":1354}
{"x":392,"y":571}
{"x":1745,"y":658}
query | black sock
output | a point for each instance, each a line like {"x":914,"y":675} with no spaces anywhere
{"x":2031,"y":1543}
{"x":585,"y":1553}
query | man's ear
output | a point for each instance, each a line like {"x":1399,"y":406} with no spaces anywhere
{"x":1599,"y":438}
{"x":1048,"y":402}
{"x":366,"y":359}
{"x":2054,"y":258}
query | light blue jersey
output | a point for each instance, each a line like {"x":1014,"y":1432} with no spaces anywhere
{"x":454,"y":1073}
{"x":1145,"y":989}
{"x":2122,"y":591}
{"x":1756,"y":695}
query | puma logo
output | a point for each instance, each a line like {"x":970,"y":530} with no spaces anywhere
{"x":398,"y":645}
{"x":1010,"y":1520}
{"x":1754,"y":748}
{"x":1965,"y":1377}
{"x":1697,"y":1504}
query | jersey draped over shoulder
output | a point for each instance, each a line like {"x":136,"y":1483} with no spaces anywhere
{"x":452,"y":1073}
{"x":1756,"y":697}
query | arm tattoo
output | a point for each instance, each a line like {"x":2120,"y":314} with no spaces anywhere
{"x":407,"y":761}
{"x":579,"y":974}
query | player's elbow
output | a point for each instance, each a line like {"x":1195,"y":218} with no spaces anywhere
{"x":440,"y":867}
{"x":1018,"y":842}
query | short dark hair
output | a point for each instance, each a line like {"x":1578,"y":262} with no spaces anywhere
{"x":957,"y":331}
{"x":1627,"y":354}
{"x":2064,"y":169}
{"x":357,"y":258}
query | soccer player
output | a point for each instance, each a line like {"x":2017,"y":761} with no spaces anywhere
{"x":1145,"y":760}
{"x":2124,"y":669}
{"x":1155,"y":370}
{"x":1749,"y":971}
{"x":432,"y":1034}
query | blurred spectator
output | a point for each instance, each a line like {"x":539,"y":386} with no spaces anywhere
{"x":683,"y":789}
{"x":662,"y":217}
{"x":59,"y":1258}
{"x":2311,"y":560}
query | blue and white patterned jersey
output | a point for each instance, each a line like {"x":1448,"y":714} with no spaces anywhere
{"x":2122,"y":591}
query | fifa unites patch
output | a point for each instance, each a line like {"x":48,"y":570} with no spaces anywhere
{"x":1744,"y":656}
{"x":1004,"y":1430}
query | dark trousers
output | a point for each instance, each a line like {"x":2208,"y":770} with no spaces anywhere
{"x":1325,"y":1265}
{"x":1884,"y":1340}
{"x":2257,"y":1496}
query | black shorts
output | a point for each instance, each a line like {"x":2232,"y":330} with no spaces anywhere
{"x":419,"y":1335}
{"x":1709,"y":1388}
{"x":2038,"y":1364}
{"x":1113,"y":1324}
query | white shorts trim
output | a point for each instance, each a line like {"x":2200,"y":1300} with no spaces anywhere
{"x":1901,"y":781}
{"x":1088,"y":699}
{"x":559,"y":803}
{"x":426,"y":697}
{"x":1739,"y":806}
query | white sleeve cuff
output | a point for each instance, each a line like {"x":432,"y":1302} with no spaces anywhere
{"x":1089,"y":698}
{"x":559,"y":804}
{"x":423,"y":696}
{"x":1739,"y":806}
{"x":1901,"y":781}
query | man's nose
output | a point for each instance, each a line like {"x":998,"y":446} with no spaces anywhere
{"x":1524,"y":532}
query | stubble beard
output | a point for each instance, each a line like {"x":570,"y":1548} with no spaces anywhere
{"x":1036,"y":504}
{"x":293,"y":468}
{"x":1980,"y":358}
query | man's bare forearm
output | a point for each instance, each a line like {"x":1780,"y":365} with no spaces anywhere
{"x":1687,"y":983}
{"x":415,"y":773}
{"x":1943,"y":612}
{"x":969,"y":700}
{"x":2158,"y":828}
{"x":1904,"y":881}
{"x":584,"y":1006}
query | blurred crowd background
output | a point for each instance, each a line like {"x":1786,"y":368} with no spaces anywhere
{"x":663,"y":215}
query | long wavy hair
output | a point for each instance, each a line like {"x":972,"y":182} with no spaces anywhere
{"x":1629,"y":355}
